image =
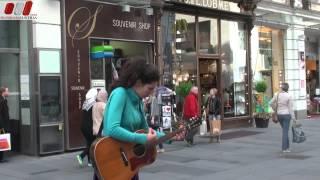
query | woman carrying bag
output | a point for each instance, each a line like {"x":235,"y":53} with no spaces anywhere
{"x":283,"y":106}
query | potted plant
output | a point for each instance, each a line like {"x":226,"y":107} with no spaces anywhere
{"x":182,"y":91}
{"x":262,"y":113}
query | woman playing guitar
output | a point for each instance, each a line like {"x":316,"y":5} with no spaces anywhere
{"x":124,"y":114}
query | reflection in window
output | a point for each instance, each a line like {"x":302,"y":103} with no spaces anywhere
{"x":267,"y":57}
{"x":234,"y":77}
{"x":9,"y":77}
{"x":208,"y":35}
{"x":180,"y":61}
{"x":50,"y":98}
{"x":9,"y":34}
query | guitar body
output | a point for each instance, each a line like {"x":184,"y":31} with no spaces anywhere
{"x":116,"y":160}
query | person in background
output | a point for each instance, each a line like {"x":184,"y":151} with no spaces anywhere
{"x":191,"y":110}
{"x":4,"y":115}
{"x":124,"y":114}
{"x":283,"y":102}
{"x":213,"y":110}
{"x":97,"y":112}
{"x":87,"y":123}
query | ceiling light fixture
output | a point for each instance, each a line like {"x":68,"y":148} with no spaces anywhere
{"x":149,"y":11}
{"x":125,"y":8}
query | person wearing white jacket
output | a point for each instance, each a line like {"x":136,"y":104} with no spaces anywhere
{"x":284,"y":108}
{"x":98,"y":110}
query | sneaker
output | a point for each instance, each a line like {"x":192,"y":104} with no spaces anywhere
{"x":79,"y":160}
{"x":160,"y":150}
{"x":286,"y":151}
{"x":89,"y":165}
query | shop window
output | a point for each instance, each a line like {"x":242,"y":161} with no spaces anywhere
{"x":9,"y":34}
{"x":179,"y":52}
{"x":234,"y":68}
{"x":267,"y":57}
{"x":108,"y":56}
{"x":49,"y":61}
{"x":208,"y":35}
{"x":50,"y":100}
{"x":9,"y":77}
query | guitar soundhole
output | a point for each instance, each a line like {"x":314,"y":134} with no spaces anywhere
{"x":139,"y":150}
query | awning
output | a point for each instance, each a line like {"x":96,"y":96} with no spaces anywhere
{"x":282,"y":15}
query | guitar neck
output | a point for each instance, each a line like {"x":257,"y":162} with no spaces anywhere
{"x":167,"y":137}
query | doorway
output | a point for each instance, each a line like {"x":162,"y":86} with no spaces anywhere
{"x":208,"y":79}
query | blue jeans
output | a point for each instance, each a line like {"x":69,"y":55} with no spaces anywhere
{"x":284,"y":120}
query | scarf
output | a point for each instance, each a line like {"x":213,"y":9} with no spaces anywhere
{"x":91,"y":97}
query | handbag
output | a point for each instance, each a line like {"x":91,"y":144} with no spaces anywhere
{"x":275,"y":113}
{"x":5,"y":141}
{"x":297,"y":133}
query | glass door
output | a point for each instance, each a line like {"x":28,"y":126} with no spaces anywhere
{"x":208,"y":77}
{"x":51,"y":119}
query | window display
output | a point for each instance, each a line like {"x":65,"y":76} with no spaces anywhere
{"x":108,"y":56}
{"x":234,"y":76}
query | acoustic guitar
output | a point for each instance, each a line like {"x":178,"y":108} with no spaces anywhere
{"x":117,"y":160}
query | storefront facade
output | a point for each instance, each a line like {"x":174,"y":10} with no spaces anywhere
{"x":206,"y":44}
{"x":91,"y":27}
{"x":49,"y":74}
{"x":283,"y":41}
{"x":30,"y":66}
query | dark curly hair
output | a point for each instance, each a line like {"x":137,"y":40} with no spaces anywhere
{"x":134,"y":70}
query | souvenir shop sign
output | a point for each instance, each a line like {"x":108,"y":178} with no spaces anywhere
{"x":92,"y":19}
{"x":213,"y":4}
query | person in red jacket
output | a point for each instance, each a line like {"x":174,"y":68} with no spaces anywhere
{"x":190,"y":110}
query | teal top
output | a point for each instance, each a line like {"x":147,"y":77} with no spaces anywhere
{"x":124,"y":116}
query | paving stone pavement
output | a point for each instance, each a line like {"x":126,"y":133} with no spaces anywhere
{"x":253,"y":157}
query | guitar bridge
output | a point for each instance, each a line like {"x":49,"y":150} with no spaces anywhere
{"x":124,"y":157}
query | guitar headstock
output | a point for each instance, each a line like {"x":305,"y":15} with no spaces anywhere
{"x":193,"y":123}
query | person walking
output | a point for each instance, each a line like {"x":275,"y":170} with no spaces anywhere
{"x":125,"y":114}
{"x":4,"y":115}
{"x":98,"y":111}
{"x":87,"y":124}
{"x":213,"y":110}
{"x":191,"y":110}
{"x":282,"y":104}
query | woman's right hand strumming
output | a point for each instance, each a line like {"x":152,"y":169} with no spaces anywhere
{"x":152,"y":135}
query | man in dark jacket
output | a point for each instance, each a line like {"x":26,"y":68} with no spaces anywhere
{"x":190,"y":110}
{"x":4,"y":113}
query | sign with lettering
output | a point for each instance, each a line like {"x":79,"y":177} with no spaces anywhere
{"x":86,"y":20}
{"x":214,"y":4}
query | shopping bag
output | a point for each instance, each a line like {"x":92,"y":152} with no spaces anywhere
{"x":298,"y":134}
{"x":5,"y":142}
{"x":216,"y":125}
